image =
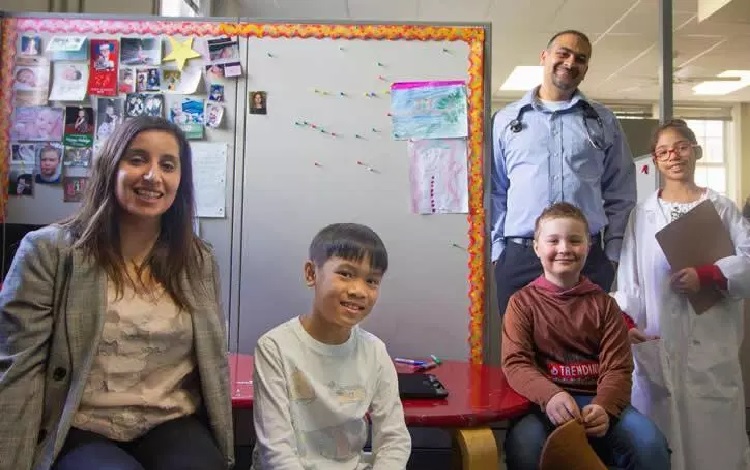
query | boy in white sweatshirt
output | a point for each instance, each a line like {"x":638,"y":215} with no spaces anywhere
{"x":318,"y":377}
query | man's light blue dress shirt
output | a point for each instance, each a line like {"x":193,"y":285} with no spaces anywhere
{"x":551,"y":160}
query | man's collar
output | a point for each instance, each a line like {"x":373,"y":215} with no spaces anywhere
{"x":531,"y":97}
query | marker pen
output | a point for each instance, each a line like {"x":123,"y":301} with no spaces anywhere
{"x":428,"y":366}
{"x":411,"y":362}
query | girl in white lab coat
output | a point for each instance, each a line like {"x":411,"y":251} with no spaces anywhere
{"x":687,"y":371}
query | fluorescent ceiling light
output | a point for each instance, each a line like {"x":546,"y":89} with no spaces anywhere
{"x":723,"y":87}
{"x":523,"y":77}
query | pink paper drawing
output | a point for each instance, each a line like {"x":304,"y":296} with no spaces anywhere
{"x":438,"y":176}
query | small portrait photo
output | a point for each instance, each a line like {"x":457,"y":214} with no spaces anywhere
{"x":214,"y":114}
{"x":154,"y":105}
{"x":153,"y":79}
{"x":23,"y":154}
{"x":140,"y":80}
{"x":73,"y":188}
{"x":222,"y":49}
{"x":170,"y":79}
{"x":79,"y":120}
{"x":49,"y":163}
{"x":38,"y":123}
{"x":20,"y":181}
{"x":258,"y":103}
{"x":77,"y":157}
{"x":31,"y":45}
{"x":104,"y":54}
{"x":32,"y":74}
{"x":127,"y":80}
{"x":108,"y":116}
{"x":140,"y":51}
{"x":214,"y":72}
{"x":135,"y":105}
{"x":216,"y":92}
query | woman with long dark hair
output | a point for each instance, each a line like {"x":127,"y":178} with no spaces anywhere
{"x":112,"y":341}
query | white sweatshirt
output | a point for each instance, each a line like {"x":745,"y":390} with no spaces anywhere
{"x":311,"y":401}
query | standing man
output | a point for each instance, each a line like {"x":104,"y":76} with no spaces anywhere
{"x":556,"y":145}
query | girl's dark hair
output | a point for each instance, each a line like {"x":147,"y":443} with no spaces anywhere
{"x":95,"y":228}
{"x":676,"y":124}
{"x":349,"y":241}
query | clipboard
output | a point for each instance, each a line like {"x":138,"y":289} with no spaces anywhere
{"x":696,"y":239}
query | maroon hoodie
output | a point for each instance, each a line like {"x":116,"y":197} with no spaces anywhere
{"x":572,"y":340}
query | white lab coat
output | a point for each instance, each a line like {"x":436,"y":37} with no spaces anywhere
{"x":688,"y":382}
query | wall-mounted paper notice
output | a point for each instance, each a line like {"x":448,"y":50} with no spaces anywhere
{"x":438,"y":176}
{"x":210,"y":178}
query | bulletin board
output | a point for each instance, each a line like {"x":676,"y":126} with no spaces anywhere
{"x":323,"y":149}
{"x":325,"y":152}
{"x":47,"y":203}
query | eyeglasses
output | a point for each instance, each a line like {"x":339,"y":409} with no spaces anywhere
{"x":682,"y":149}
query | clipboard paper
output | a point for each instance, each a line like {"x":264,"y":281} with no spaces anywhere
{"x":696,"y":239}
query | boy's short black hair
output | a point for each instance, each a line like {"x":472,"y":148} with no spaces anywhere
{"x":349,"y":241}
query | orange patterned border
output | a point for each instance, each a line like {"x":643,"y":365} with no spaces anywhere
{"x":475,"y":37}
{"x":320,"y":31}
{"x":7,"y":59}
{"x":477,"y":262}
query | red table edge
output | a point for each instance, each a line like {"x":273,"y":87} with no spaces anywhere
{"x":477,"y":419}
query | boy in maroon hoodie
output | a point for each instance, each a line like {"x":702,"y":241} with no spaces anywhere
{"x":565,"y":347}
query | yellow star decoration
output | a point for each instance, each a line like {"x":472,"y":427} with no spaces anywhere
{"x":181,"y":51}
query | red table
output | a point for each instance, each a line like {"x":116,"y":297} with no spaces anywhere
{"x":478,"y":395}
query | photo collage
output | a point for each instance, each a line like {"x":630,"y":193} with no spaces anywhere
{"x":71,"y":91}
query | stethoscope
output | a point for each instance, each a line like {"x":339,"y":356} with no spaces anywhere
{"x":589,"y":113}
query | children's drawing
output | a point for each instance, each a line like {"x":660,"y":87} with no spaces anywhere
{"x":429,"y":110}
{"x":438,"y":176}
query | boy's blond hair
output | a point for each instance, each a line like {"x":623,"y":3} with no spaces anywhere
{"x":561,"y":210}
